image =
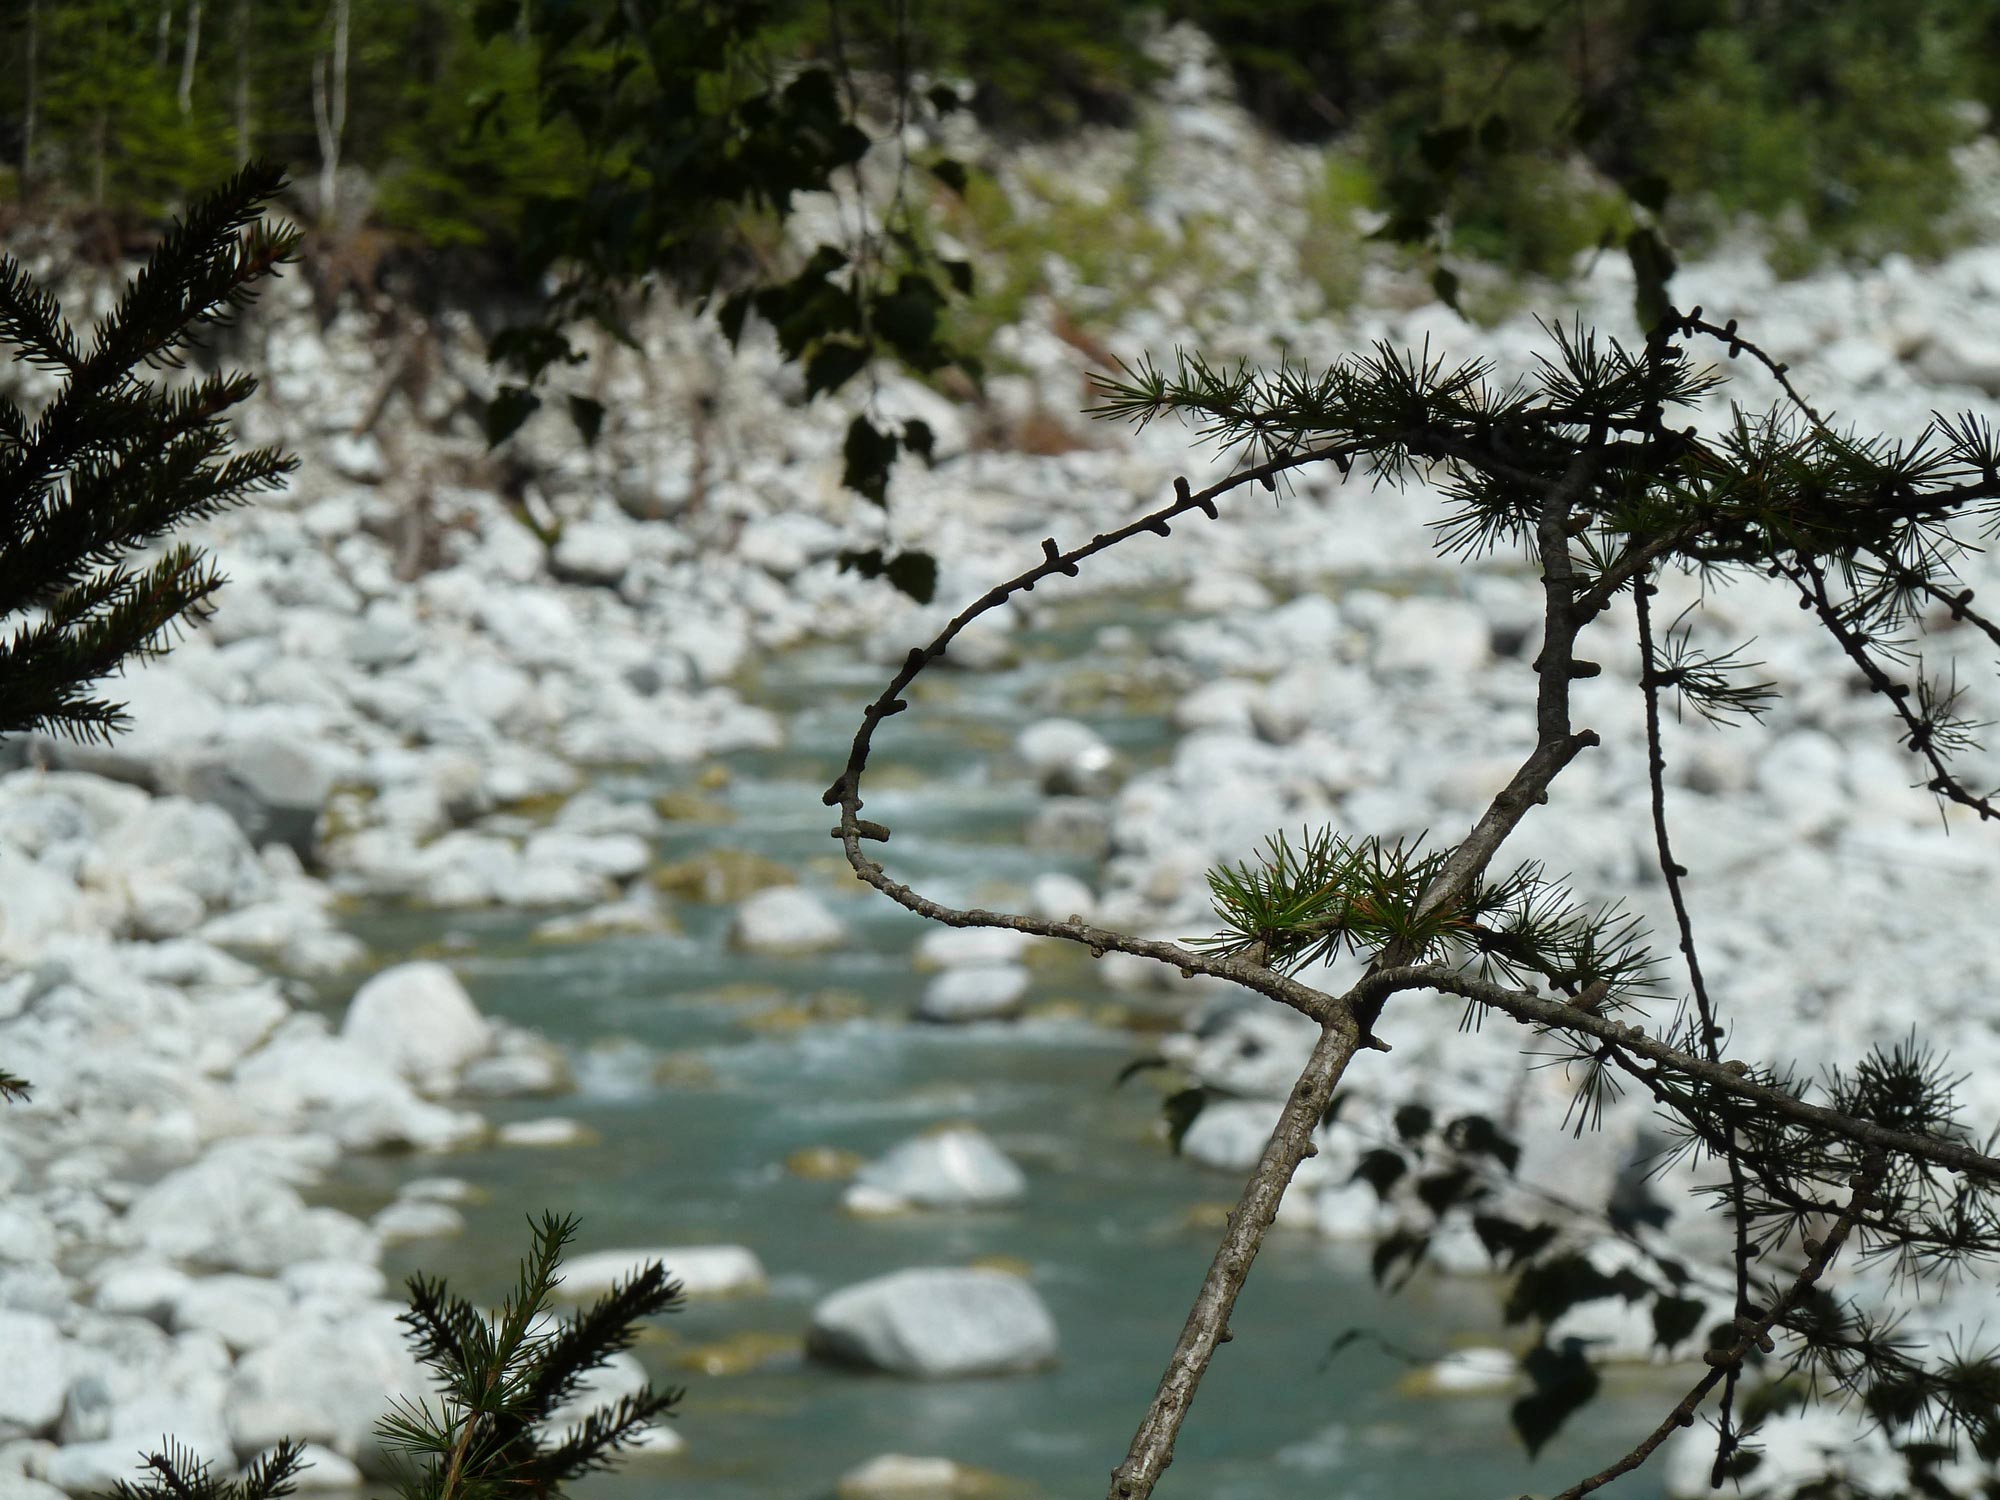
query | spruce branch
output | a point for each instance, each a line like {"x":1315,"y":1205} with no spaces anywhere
{"x":504,"y":1379}
{"x":174,"y":1473}
{"x":113,"y":462}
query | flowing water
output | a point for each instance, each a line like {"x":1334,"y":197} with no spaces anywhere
{"x":765,"y":1057}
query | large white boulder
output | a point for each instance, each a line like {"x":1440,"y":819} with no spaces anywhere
{"x":935,"y":1323}
{"x":226,"y":1213}
{"x":785,"y":919}
{"x":957,"y":1167}
{"x":418,"y":1019}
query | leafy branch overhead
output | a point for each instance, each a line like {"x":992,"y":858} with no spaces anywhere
{"x":701,"y":130}
{"x":114,"y":460}
{"x":1579,"y":469}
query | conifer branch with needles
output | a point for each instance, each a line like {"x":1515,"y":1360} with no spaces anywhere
{"x":115,"y":459}
{"x":1578,"y":468}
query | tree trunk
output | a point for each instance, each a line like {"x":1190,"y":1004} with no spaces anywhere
{"x":243,"y":141}
{"x":164,"y":35}
{"x":330,"y":110}
{"x":190,"y":50}
{"x":28,"y":95}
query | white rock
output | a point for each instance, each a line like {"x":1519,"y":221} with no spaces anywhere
{"x":987,"y":992}
{"x":1350,"y":1211}
{"x":656,"y":1441}
{"x":418,"y":1019}
{"x":1468,"y":1371}
{"x":142,"y":1289}
{"x":356,"y":456}
{"x":956,"y":1167}
{"x":861,"y":1201}
{"x":400,"y":1222}
{"x":32,"y":1376}
{"x":1068,"y":758}
{"x":900,"y":1476}
{"x":223,"y":1213}
{"x":243,"y":1311}
{"x":1230,"y":1134}
{"x":702,"y":1270}
{"x":551,"y":1132}
{"x":1432,"y":637}
{"x":25,"y":1235}
{"x":785,"y":920}
{"x":524,"y":1074}
{"x":348,"y":1284}
{"x":325,"y":1383}
{"x":592,"y":552}
{"x":616,"y":856}
{"x":303,"y":1075}
{"x":21,"y":1487}
{"x":936,"y":1322}
{"x":960,"y":947}
{"x":1055,"y":897}
{"x":1960,"y":353}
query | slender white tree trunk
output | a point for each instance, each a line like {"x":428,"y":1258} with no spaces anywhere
{"x":330,"y":110}
{"x":164,"y":35}
{"x":190,"y":50}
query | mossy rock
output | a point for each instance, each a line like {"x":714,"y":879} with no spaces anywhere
{"x":684,"y":806}
{"x":815,"y":1010}
{"x":743,"y":1353}
{"x":721,"y":875}
{"x":684,"y":1070}
{"x":824,"y":1163}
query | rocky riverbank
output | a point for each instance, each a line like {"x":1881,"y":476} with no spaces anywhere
{"x":426,"y":655}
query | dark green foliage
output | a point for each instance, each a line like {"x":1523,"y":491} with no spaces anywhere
{"x":1562,"y":1381}
{"x":1180,"y":1109}
{"x":1331,"y":895}
{"x":115,"y":460}
{"x":912,"y":573}
{"x":502,"y":1377}
{"x":1527,"y":134}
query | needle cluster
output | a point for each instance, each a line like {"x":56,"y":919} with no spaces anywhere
{"x":116,"y":459}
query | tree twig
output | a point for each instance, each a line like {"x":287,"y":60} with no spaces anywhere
{"x":1754,"y":1332}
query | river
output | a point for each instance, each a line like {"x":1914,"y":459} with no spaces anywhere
{"x":741,"y":1062}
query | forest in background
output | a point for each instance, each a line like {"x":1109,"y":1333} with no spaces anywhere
{"x":413,"y":128}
